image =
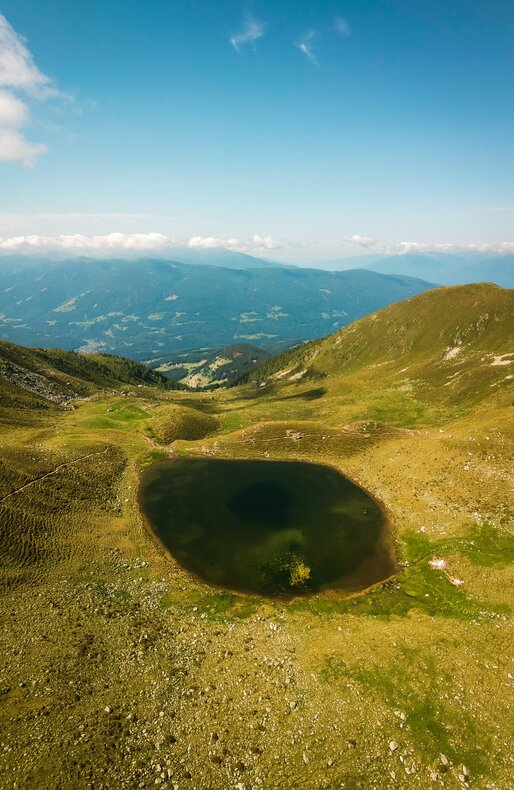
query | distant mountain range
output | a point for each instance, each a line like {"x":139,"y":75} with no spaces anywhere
{"x":449,"y":269}
{"x":151,"y":308}
{"x":441,"y":268}
{"x":227,"y":259}
{"x":220,"y":257}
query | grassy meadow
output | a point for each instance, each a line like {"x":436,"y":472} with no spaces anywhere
{"x":120,"y":669}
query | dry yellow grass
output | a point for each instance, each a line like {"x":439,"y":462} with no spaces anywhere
{"x":119,"y":669}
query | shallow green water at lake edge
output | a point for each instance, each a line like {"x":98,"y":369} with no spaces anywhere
{"x":275,"y":528}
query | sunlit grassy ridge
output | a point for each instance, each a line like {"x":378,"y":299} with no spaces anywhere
{"x":405,"y":686}
{"x":34,"y":376}
{"x":450,"y":343}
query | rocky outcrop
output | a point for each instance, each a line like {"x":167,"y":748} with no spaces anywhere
{"x":36,"y":383}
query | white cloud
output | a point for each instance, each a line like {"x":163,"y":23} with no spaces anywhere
{"x":251,"y":32}
{"x":211,"y":243}
{"x":255,"y":244}
{"x":342,"y":26}
{"x":15,"y":148}
{"x":78,"y":242}
{"x":131,"y":241}
{"x":263,"y":243}
{"x":305,"y":46}
{"x":19,"y":74}
{"x":17,"y":67}
{"x":414,"y":246}
{"x":361,"y":241}
{"x":13,"y":112}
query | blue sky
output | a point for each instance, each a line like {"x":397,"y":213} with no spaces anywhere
{"x":293,"y":129}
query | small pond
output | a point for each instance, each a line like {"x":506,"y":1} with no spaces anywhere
{"x":276,"y":528}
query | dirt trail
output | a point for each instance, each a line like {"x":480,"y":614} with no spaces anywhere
{"x":53,"y":472}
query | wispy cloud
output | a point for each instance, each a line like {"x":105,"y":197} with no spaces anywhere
{"x":13,"y":220}
{"x":342,"y":27}
{"x":251,"y":32}
{"x":361,"y":241}
{"x":414,"y":246}
{"x":19,"y":74}
{"x":305,"y":46}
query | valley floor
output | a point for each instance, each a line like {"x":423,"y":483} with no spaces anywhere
{"x":119,"y":669}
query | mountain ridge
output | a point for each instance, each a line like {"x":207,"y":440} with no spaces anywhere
{"x":148,"y":308}
{"x":448,"y":348}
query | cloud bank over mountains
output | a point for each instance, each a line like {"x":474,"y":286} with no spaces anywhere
{"x":414,"y":246}
{"x":78,"y":243}
{"x":144,"y":242}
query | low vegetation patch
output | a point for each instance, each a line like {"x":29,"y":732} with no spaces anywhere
{"x":182,"y":422}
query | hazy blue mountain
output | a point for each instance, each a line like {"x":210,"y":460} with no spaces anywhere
{"x":444,"y":268}
{"x":450,"y":268}
{"x":498,"y":270}
{"x":436,"y":266}
{"x":343,"y":264}
{"x":228,"y":259}
{"x":150,"y":308}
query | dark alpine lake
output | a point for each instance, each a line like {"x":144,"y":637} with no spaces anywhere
{"x":276,"y":528}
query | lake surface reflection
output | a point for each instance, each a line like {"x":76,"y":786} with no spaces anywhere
{"x":276,"y":528}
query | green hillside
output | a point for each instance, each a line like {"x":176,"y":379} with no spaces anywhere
{"x":33,"y":379}
{"x":165,"y":677}
{"x":449,"y":346}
